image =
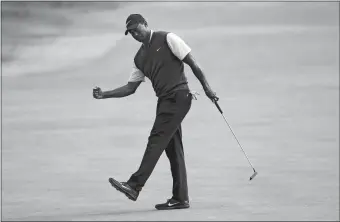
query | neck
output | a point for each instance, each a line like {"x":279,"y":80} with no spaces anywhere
{"x":147,"y":39}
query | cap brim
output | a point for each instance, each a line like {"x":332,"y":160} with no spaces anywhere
{"x":133,"y":26}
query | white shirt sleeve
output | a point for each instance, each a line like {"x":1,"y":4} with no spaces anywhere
{"x":136,"y":74}
{"x":178,"y":47}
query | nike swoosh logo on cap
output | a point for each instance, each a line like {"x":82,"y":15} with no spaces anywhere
{"x":128,"y":22}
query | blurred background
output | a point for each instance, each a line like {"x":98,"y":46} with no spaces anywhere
{"x":274,"y":65}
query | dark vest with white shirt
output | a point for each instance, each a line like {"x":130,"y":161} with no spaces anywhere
{"x":161,"y":66}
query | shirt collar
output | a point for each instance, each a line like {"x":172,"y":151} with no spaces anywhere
{"x":151,"y":33}
{"x":150,"y":36}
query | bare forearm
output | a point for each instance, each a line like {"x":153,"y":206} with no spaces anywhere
{"x":201,"y":77}
{"x":118,"y":92}
{"x":190,"y":60}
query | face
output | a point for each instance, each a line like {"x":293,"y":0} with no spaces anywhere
{"x":140,"y":33}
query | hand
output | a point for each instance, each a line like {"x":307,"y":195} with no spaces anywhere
{"x":211,"y":95}
{"x":97,"y":93}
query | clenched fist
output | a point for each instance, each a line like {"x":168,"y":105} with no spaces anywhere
{"x":97,"y":93}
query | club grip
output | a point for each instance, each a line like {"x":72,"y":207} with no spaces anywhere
{"x":218,"y":107}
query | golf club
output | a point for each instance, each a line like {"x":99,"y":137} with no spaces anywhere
{"x":219,"y":108}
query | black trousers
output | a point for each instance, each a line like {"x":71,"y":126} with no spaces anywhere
{"x":166,"y":134}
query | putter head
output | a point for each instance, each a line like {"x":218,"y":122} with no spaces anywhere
{"x":252,"y":176}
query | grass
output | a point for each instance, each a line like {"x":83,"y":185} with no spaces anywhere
{"x":279,"y":90}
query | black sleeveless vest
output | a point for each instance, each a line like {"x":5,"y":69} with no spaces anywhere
{"x":161,"y":66}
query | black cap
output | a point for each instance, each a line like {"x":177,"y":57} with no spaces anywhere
{"x":133,"y":21}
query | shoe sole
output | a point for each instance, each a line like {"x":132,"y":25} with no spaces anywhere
{"x":173,"y":207}
{"x":118,"y":187}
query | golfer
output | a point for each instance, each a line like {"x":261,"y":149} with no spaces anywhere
{"x":161,"y":59}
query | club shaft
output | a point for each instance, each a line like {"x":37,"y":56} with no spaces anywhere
{"x":238,"y":141}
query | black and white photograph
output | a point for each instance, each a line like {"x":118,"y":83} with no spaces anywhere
{"x":170,"y":110}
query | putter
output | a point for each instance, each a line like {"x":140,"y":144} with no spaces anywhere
{"x":219,"y":108}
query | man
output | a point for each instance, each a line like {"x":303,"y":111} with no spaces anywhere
{"x":161,"y":59}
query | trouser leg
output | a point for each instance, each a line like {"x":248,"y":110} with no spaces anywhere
{"x":170,"y":114}
{"x":175,"y":153}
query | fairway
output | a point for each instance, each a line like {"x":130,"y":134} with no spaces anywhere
{"x":274,"y":66}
